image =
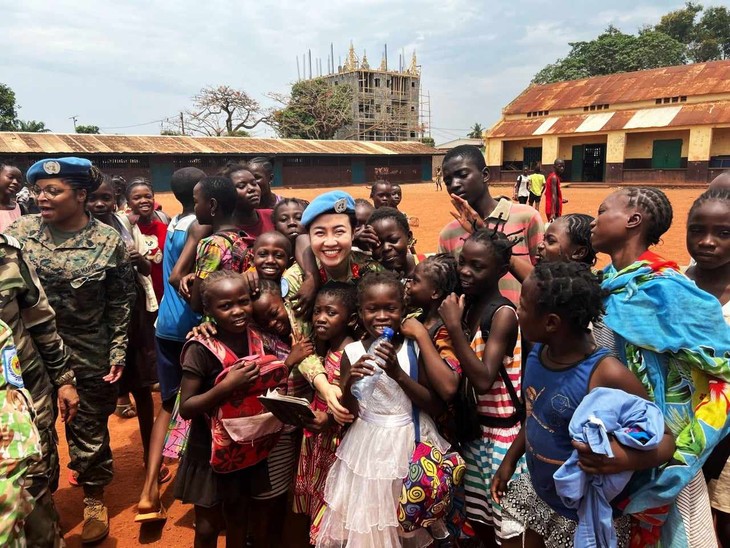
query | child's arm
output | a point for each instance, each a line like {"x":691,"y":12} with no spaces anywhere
{"x":508,"y":466}
{"x":185,"y":262}
{"x":504,"y":329}
{"x":611,"y":373}
{"x":347,"y":378}
{"x":306,"y":294}
{"x":443,"y":379}
{"x":193,"y":403}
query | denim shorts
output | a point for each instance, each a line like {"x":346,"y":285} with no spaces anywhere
{"x":169,"y":370}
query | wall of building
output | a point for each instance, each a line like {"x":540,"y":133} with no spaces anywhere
{"x":565,"y":147}
{"x":514,"y":151}
{"x":720,"y":142}
{"x":641,"y":145}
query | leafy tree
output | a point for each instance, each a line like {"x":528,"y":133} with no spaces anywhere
{"x":680,"y":24}
{"x":712,"y":35}
{"x":31,"y":126}
{"x":428,"y":141}
{"x":8,"y":110}
{"x":170,"y":132}
{"x":222,"y":111}
{"x":87,"y":129}
{"x":476,"y":131}
{"x":315,"y":110}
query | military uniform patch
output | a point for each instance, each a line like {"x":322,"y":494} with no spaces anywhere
{"x":11,"y":367}
{"x":340,"y":206}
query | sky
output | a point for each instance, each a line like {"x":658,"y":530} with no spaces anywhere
{"x":125,"y":65}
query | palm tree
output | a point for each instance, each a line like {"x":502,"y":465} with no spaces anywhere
{"x":31,"y":126}
{"x":476,"y":131}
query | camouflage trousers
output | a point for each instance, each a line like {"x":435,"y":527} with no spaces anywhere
{"x":15,"y":503}
{"x":42,"y":528}
{"x":88,"y":434}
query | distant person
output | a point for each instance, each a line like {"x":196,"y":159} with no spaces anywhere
{"x":537,"y":187}
{"x":381,"y":193}
{"x":11,"y":181}
{"x":263,"y":172}
{"x":396,"y":196}
{"x":465,"y":177}
{"x":438,"y":179}
{"x":721,"y":181}
{"x":522,"y":191}
{"x":554,"y":201}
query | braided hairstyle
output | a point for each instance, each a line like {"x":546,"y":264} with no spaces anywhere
{"x":443,"y":272}
{"x":138,"y":181}
{"x":289,"y":201}
{"x":570,"y":290}
{"x":231,"y":168}
{"x":390,"y":213}
{"x":344,"y":292}
{"x":656,"y":205}
{"x":579,"y":232}
{"x":385,"y":277}
{"x":499,"y":242}
{"x":214,"y":277}
{"x":713,"y":194}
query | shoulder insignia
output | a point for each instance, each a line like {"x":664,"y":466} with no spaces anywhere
{"x":11,"y":241}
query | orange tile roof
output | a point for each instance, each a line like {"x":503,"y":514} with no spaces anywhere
{"x":77,"y":143}
{"x":628,"y":87}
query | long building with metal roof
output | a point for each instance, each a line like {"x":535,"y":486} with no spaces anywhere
{"x":669,"y":125}
{"x":297,"y":162}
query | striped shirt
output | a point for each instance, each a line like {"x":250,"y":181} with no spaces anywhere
{"x":522,"y":221}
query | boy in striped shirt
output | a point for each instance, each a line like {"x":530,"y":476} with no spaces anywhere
{"x":465,"y":175}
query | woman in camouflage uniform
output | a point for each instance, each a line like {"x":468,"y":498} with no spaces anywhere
{"x":84,"y":267}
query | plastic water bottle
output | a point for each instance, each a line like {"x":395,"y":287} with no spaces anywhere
{"x":363,"y":387}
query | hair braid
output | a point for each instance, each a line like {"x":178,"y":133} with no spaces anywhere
{"x":655,"y":203}
{"x":579,"y":231}
{"x":718,"y":194}
{"x":442,"y":270}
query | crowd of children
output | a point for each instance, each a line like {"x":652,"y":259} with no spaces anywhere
{"x":520,"y":397}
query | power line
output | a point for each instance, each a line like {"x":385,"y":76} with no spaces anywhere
{"x":139,"y":125}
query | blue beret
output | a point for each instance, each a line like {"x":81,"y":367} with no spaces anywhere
{"x":336,"y":201}
{"x":51,"y":168}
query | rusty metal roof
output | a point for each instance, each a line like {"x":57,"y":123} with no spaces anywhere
{"x":76,"y":143}
{"x":628,"y":87}
{"x":669,"y":116}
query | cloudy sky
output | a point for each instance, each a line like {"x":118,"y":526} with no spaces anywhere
{"x":127,"y":64}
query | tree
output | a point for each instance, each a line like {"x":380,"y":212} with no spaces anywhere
{"x":87,"y":129}
{"x":680,"y":24}
{"x":31,"y":126}
{"x":706,"y":39}
{"x":315,"y":110}
{"x":221,"y":111}
{"x":8,"y":110}
{"x":476,"y":131}
{"x":428,"y":141}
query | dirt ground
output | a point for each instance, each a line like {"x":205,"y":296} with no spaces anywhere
{"x":420,"y":201}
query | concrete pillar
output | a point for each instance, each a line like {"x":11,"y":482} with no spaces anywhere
{"x":494,"y":156}
{"x":698,"y":154}
{"x":615,"y":153}
{"x":550,"y":151}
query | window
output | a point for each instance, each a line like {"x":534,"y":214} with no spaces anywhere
{"x":377,"y":82}
{"x":413,"y":84}
{"x":413,"y":133}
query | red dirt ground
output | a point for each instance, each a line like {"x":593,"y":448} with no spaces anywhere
{"x":419,"y":200}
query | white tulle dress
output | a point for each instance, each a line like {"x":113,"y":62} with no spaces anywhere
{"x":364,"y":484}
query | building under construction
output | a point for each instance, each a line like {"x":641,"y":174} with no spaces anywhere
{"x":385,"y":104}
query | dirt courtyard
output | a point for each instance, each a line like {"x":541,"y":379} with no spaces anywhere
{"x":420,"y":201}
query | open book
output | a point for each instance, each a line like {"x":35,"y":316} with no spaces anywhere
{"x":288,"y":409}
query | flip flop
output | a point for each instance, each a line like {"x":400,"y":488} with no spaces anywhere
{"x":151,"y":517}
{"x":73,"y":478}
{"x":125,"y":411}
{"x":164,"y":474}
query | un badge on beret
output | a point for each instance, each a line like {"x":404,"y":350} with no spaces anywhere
{"x":52,"y":167}
{"x":340,"y":206}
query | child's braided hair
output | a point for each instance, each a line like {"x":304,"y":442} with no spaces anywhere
{"x":211,"y":279}
{"x":579,"y":231}
{"x":385,"y":277}
{"x":719,"y":194}
{"x":442,"y":270}
{"x":571,"y":290}
{"x":494,"y":237}
{"x":656,"y":205}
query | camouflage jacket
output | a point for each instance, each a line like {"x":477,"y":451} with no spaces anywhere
{"x":89,"y":282}
{"x":25,"y":309}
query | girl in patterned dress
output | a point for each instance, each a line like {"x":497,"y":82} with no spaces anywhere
{"x":334,"y":319}
{"x":491,"y":365}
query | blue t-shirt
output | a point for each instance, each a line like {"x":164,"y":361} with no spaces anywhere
{"x":175,"y":318}
{"x":551,"y":397}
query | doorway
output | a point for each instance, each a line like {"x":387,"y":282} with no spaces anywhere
{"x":588,"y":163}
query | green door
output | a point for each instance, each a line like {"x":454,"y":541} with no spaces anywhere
{"x":358,"y":171}
{"x":667,"y":154}
{"x":161,"y":170}
{"x":576,"y":163}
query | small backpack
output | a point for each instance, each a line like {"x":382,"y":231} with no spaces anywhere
{"x":241,"y":246}
{"x":243,"y":433}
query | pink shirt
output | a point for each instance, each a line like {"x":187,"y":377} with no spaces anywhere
{"x":8,"y":217}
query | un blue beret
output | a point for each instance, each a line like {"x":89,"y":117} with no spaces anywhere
{"x":51,"y":168}
{"x":336,"y":201}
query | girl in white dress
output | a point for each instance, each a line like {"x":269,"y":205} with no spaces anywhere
{"x":365,"y":482}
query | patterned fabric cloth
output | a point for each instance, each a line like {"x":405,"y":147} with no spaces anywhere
{"x":521,"y":221}
{"x":682,"y":358}
{"x":224,"y":250}
{"x":19,"y":444}
{"x":484,"y":456}
{"x":317,"y":457}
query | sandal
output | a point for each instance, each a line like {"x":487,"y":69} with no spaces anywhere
{"x":164,"y":475}
{"x":150,"y":517}
{"x":73,"y":478}
{"x":126,"y":411}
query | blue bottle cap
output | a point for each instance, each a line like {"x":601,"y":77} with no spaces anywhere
{"x":388,"y":333}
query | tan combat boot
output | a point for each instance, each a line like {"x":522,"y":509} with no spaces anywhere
{"x":96,"y":521}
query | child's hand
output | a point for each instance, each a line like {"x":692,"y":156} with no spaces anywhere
{"x":500,"y":480}
{"x":412,"y":328}
{"x":362,"y":367}
{"x":136,"y":257}
{"x":206,"y":330}
{"x":365,"y":237}
{"x":319,"y":423}
{"x":332,"y":396}
{"x":303,"y":300}
{"x":624,"y":459}
{"x":386,"y":352}
{"x":242,"y":374}
{"x":185,"y":287}
{"x":451,"y":310}
{"x":252,"y":279}
{"x":465,"y":214}
{"x":299,"y":351}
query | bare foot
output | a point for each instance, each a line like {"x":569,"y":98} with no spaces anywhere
{"x":149,"y":501}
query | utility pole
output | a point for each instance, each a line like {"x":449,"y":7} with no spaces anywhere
{"x":182,"y":124}
{"x":74,"y":118}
